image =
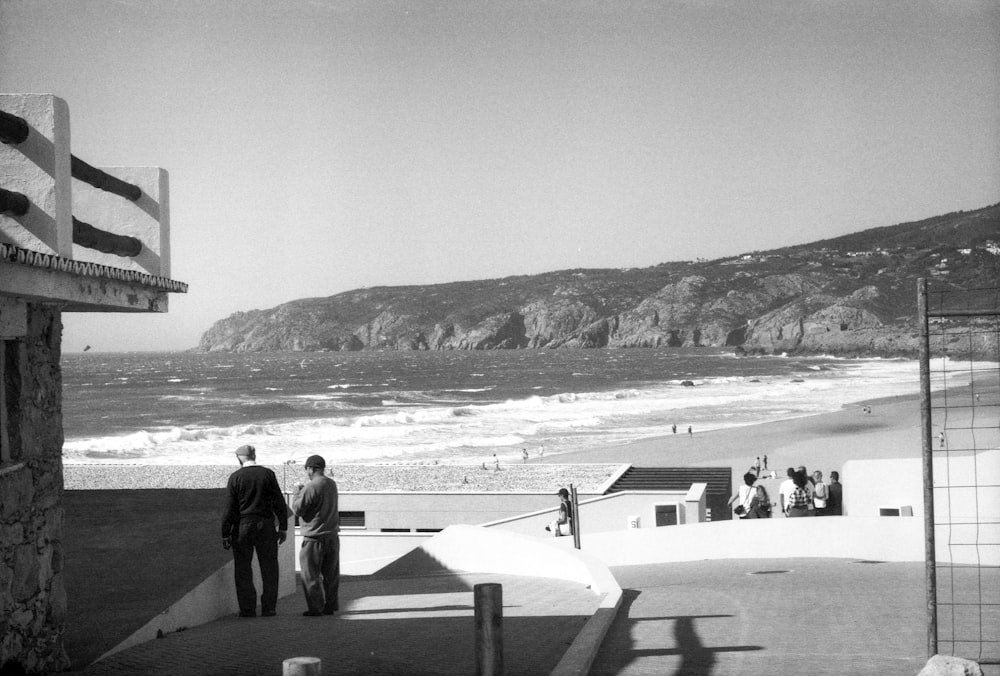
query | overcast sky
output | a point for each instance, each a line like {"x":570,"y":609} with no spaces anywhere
{"x":316,"y":147}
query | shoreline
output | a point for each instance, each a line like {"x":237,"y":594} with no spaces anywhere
{"x":877,"y":428}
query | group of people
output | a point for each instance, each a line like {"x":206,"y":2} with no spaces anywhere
{"x":804,"y":494}
{"x":801,"y":494}
{"x":256,"y":520}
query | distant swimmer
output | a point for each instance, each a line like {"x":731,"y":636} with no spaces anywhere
{"x":689,"y":430}
{"x":673,"y":428}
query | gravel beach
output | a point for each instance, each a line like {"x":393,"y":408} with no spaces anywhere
{"x":528,"y":478}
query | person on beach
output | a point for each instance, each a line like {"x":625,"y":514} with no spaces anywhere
{"x":765,"y":463}
{"x":690,"y":431}
{"x":820,"y":493}
{"x":315,"y":503}
{"x":673,"y":428}
{"x":563,"y":524}
{"x":744,"y":496}
{"x":760,"y":506}
{"x":785,"y":489}
{"x":524,"y":455}
{"x":835,"y":497}
{"x":254,"y":505}
{"x":798,"y":500}
{"x":756,"y":466}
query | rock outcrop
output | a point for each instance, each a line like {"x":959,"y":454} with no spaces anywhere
{"x":855,"y":295}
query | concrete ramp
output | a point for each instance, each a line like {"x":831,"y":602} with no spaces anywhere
{"x":871,"y":538}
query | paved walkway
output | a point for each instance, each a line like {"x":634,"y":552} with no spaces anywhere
{"x":788,"y":616}
{"x":422,"y":624}
{"x":777,"y":616}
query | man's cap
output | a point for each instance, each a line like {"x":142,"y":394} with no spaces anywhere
{"x":316,"y":461}
{"x":246,"y":451}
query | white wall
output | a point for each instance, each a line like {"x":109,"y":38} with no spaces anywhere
{"x":869,"y":538}
{"x":212,"y":599}
{"x":870,"y":484}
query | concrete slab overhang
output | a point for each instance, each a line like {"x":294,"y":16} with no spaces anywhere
{"x":78,"y":286}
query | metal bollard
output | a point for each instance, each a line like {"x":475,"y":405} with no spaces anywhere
{"x":489,"y":628}
{"x":302,"y":666}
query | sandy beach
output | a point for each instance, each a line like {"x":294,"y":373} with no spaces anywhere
{"x":825,"y":442}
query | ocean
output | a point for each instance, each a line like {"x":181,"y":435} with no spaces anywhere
{"x":455,"y":407}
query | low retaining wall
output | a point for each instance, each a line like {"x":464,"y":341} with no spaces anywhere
{"x":869,"y":538}
{"x":210,"y":600}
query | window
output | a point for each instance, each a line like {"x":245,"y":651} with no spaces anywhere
{"x":352,"y":519}
{"x":666,"y":515}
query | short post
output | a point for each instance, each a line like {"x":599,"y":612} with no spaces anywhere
{"x":302,"y":666}
{"x":489,"y":628}
{"x":576,"y":515}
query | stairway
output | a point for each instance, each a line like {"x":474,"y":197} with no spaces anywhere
{"x":718,"y":479}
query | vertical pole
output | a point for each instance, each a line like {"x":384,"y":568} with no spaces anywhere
{"x":488,"y":599}
{"x":576,"y":515}
{"x":927,"y":442}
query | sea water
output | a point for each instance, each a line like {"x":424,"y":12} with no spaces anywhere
{"x":437,"y":407}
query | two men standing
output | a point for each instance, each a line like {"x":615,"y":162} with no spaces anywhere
{"x":256,"y":520}
{"x":315,"y":504}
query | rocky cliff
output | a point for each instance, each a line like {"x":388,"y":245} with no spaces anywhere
{"x":853,"y":295}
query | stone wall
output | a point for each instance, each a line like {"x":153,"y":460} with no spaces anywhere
{"x":32,"y":592}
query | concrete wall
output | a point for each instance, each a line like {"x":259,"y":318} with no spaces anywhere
{"x":868,"y":538}
{"x":365,"y":551}
{"x":212,"y":599}
{"x":440,"y":510}
{"x":32,"y":595}
{"x":871,"y":484}
{"x":39,"y":168}
{"x":532,"y":510}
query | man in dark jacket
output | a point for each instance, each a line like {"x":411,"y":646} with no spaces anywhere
{"x":254,"y":504}
{"x":316,"y":506}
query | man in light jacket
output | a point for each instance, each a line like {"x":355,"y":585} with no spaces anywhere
{"x":315,"y":504}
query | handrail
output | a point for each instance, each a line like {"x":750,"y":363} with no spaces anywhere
{"x":103,"y":180}
{"x":15,"y":130}
{"x":90,"y":237}
{"x":14,"y":202}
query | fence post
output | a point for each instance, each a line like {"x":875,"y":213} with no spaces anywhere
{"x":302,"y":666}
{"x":927,"y":443}
{"x":576,"y":515}
{"x":488,"y":598}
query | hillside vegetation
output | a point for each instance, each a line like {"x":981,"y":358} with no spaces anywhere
{"x":852,"y":295}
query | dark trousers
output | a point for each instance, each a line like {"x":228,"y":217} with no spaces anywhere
{"x":319,"y":559}
{"x":256,"y":535}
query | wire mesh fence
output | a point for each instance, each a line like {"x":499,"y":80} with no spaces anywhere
{"x":960,"y":383}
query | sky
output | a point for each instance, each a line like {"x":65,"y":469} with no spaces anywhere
{"x":317,"y":147}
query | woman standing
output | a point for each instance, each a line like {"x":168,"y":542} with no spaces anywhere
{"x":798,"y":499}
{"x":744,"y":496}
{"x":821,"y":493}
{"x":760,"y":506}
